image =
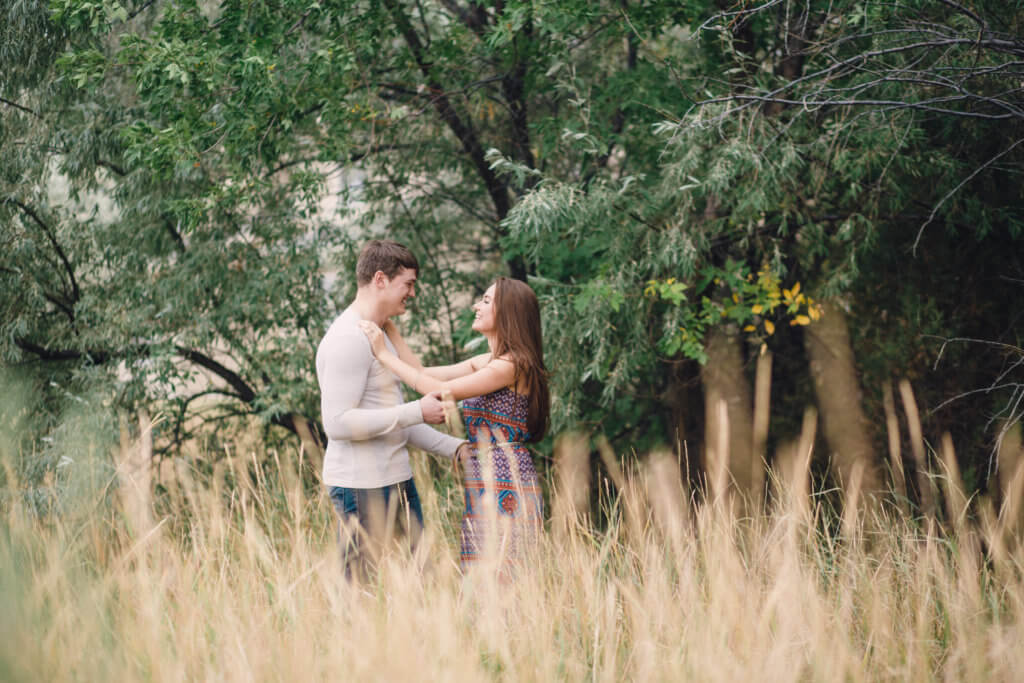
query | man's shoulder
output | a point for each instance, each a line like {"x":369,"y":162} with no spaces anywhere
{"x":344,"y":333}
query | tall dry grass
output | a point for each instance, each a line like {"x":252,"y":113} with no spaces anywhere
{"x":235,"y":576}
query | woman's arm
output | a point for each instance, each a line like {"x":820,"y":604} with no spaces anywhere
{"x":482,"y":378}
{"x":441,"y":372}
{"x":456,"y":370}
{"x":404,"y":352}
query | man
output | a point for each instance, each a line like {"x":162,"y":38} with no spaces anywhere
{"x":366,"y":466}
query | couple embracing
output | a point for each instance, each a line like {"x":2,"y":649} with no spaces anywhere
{"x":368,"y":425}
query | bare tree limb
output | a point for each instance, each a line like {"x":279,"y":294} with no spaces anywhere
{"x":956,"y":189}
{"x":9,"y":103}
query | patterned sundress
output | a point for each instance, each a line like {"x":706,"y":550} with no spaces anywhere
{"x":518,"y":519}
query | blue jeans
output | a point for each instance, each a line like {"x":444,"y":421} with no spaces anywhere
{"x":368,"y":517}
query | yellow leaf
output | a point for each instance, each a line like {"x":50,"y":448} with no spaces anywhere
{"x":769,"y":327}
{"x":756,"y":309}
{"x":800,"y":299}
{"x":815,"y":312}
{"x":787,"y":295}
{"x":735,"y":299}
{"x":796,"y":289}
{"x":802,"y":320}
{"x":749,"y":328}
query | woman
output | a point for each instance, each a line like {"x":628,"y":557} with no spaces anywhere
{"x":505,"y":404}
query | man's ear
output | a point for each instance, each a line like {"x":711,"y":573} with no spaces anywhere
{"x":380,"y":279}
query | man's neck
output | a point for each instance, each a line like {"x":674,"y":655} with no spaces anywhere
{"x":369,"y":308}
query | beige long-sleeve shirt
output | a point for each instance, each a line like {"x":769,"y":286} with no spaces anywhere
{"x":367,"y":423}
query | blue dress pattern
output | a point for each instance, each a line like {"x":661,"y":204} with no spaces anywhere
{"x":512,"y":517}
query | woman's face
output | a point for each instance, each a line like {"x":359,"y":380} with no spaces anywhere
{"x":484,"y":309}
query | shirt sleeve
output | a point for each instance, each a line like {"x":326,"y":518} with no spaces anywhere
{"x":345,"y":368}
{"x":426,"y":438}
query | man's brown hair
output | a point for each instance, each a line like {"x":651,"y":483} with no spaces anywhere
{"x":387,"y":256}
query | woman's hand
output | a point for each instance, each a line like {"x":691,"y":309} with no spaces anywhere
{"x":461,"y":459}
{"x":375,"y":335}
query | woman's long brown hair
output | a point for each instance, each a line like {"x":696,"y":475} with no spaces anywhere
{"x":518,"y":328}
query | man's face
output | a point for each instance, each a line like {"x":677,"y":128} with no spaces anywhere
{"x":396,"y":291}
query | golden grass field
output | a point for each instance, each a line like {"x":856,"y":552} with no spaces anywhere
{"x":234,"y":576}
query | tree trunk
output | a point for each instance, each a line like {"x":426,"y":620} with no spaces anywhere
{"x":728,"y":434}
{"x":683,"y":378}
{"x":844,"y":425}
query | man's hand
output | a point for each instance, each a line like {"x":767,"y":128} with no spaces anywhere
{"x":432,"y":408}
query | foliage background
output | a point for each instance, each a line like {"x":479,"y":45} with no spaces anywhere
{"x":185,"y":184}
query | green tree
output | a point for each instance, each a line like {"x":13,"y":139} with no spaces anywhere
{"x":649,"y":166}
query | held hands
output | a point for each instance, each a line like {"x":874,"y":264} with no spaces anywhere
{"x":376,"y":337}
{"x":432,"y":408}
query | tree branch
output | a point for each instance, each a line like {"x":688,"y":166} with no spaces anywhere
{"x":140,"y":10}
{"x":242,"y":391}
{"x":97,"y":357}
{"x":18,"y":106}
{"x":75,"y":292}
{"x":949,"y":194}
{"x":113,"y":167}
{"x":465,"y":134}
{"x":475,"y":20}
{"x":246,"y":394}
{"x":513,"y":86}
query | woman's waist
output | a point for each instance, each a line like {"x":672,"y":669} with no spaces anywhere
{"x":496,"y":443}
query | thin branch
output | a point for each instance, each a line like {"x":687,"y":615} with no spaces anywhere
{"x":983,"y":390}
{"x":62,"y":305}
{"x":837,"y":68}
{"x":737,"y":14}
{"x":179,"y":241}
{"x":300,"y":22}
{"x":113,"y":167}
{"x":18,"y":106}
{"x":982,"y":24}
{"x":140,"y":10}
{"x":987,"y":342}
{"x":956,"y":189}
{"x":75,"y":293}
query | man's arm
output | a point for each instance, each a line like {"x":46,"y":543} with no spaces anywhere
{"x":343,"y":376}
{"x":428,"y":439}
